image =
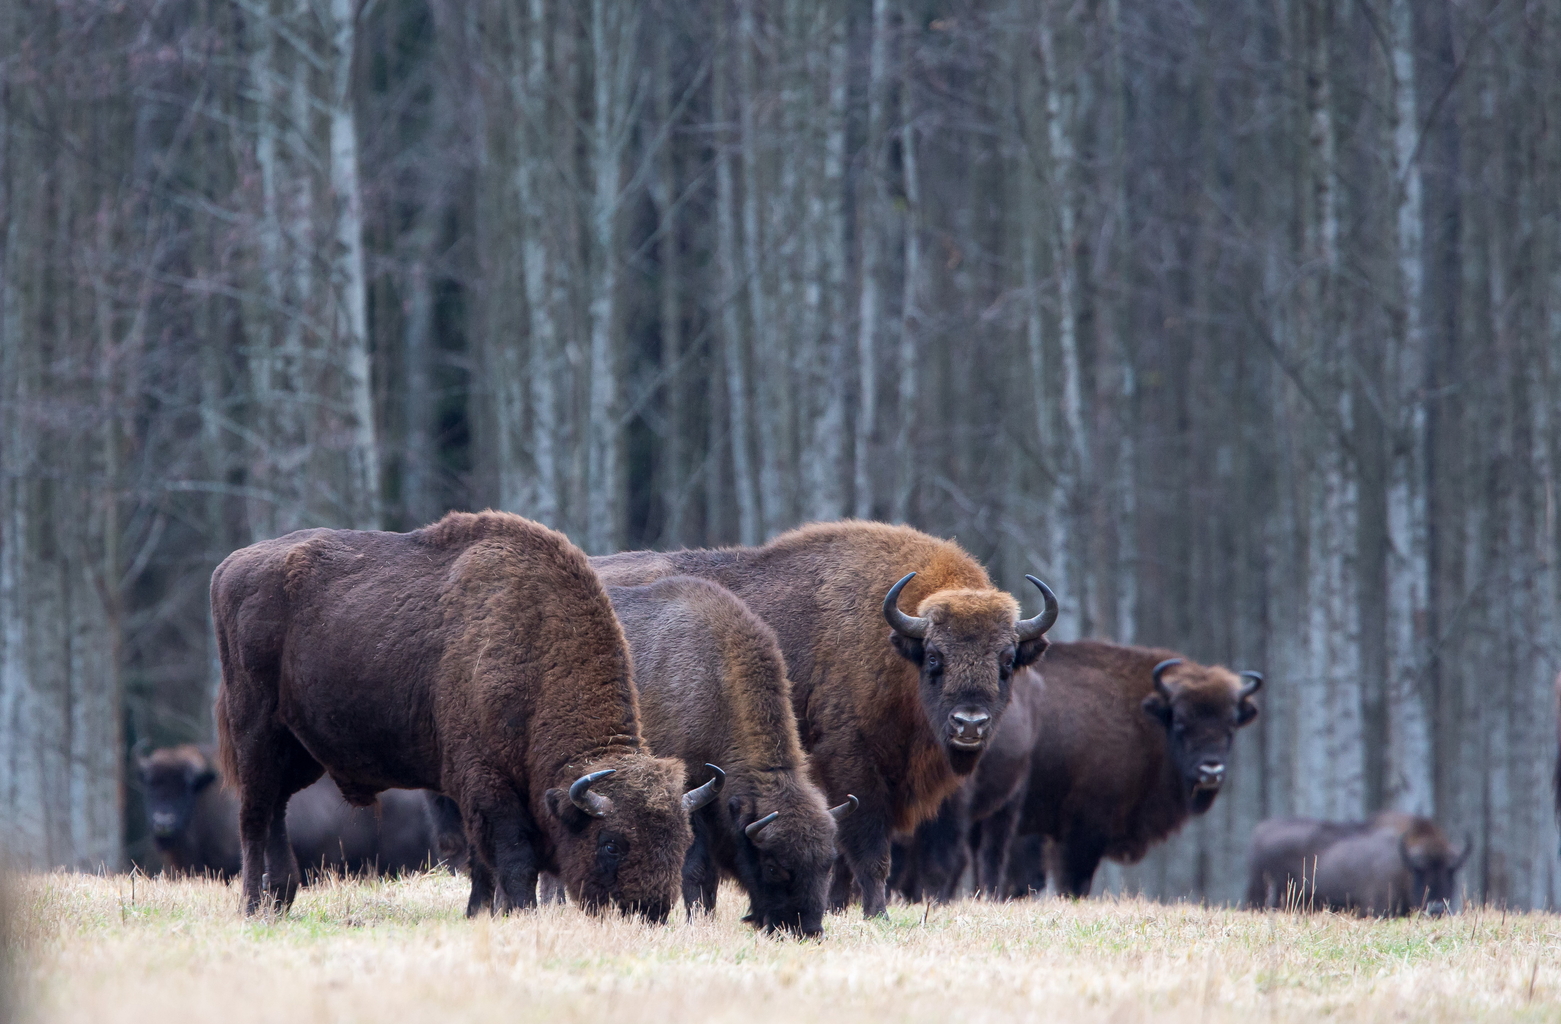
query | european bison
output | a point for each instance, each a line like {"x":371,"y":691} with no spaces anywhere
{"x":713,"y":688}
{"x":194,"y":822}
{"x":898,"y":717}
{"x":1387,"y":866}
{"x":982,"y":815}
{"x":1130,"y":742}
{"x":478,"y":657}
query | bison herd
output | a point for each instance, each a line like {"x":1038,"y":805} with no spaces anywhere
{"x":847,"y":711}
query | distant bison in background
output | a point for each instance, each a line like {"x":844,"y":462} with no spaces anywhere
{"x":1130,"y":741}
{"x":194,"y":822}
{"x":897,"y":717}
{"x":713,"y":689}
{"x":1387,"y":866}
{"x":478,"y":657}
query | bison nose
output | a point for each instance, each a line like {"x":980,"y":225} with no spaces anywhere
{"x":163,"y":823}
{"x":969,"y":727}
{"x":1211,"y":773}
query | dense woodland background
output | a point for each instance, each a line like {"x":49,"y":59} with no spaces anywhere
{"x":1238,"y":323}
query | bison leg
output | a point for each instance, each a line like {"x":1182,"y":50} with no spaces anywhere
{"x":995,"y":840}
{"x":701,"y":880}
{"x":482,"y":888}
{"x":840,"y":885}
{"x":1077,"y":859}
{"x":1026,"y":866}
{"x":866,"y":852}
{"x":272,"y":767}
{"x":942,"y":851}
{"x":503,"y":839}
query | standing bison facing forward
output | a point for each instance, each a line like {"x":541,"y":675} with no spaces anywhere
{"x":478,"y":657}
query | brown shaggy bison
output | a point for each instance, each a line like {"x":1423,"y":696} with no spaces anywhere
{"x":478,"y":657}
{"x":713,"y":688}
{"x":1130,"y":742}
{"x":981,"y":817}
{"x":194,"y":822}
{"x":898,"y":717}
{"x":1387,"y":866}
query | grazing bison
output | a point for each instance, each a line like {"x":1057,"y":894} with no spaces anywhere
{"x":982,"y":815}
{"x":897,"y":717}
{"x":1130,"y":742}
{"x":713,"y":688}
{"x":478,"y":657}
{"x":194,"y":822}
{"x":1387,"y":866}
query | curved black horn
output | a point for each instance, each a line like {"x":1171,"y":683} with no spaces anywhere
{"x":591,"y":803}
{"x":840,"y":811}
{"x":694,"y":799}
{"x":755,"y":827}
{"x":1254,"y":683}
{"x":1029,"y":629}
{"x":1159,"y":684}
{"x":906,"y":625}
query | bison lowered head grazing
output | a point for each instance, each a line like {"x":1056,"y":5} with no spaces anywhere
{"x":966,"y":645}
{"x":878,"y":712}
{"x":478,"y":657}
{"x":1200,"y":714}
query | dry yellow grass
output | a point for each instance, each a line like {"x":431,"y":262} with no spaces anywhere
{"x":171,"y":952}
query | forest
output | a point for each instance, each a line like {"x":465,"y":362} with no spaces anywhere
{"x":1239,"y":324}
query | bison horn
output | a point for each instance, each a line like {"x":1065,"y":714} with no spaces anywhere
{"x":842,"y":811}
{"x":755,"y":827}
{"x":1029,"y":629}
{"x":591,"y":803}
{"x":1254,"y":684}
{"x":905,"y":625}
{"x":694,"y":799}
{"x":1159,"y":684}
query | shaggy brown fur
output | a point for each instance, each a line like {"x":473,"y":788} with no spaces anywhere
{"x":1115,"y":768}
{"x":194,"y":822}
{"x":872,"y":706}
{"x":713,"y":689}
{"x":478,"y":657}
{"x":1387,"y":866}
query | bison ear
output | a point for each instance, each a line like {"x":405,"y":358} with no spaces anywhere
{"x":910,"y":648}
{"x":1030,"y":651}
{"x":202,"y":779}
{"x":1245,"y":712}
{"x":1157,"y":707}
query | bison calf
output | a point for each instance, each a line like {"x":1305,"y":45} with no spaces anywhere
{"x":1387,"y":866}
{"x":713,"y":688}
{"x":1130,"y":742}
{"x":478,"y":657}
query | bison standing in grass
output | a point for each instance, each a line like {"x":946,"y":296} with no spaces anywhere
{"x":1130,"y":741}
{"x":478,"y":657}
{"x":897,"y":717}
{"x":194,"y":822}
{"x":713,"y":688}
{"x":1387,"y":866}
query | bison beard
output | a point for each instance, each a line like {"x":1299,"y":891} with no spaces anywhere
{"x":478,"y":657}
{"x":1130,"y":742}
{"x":899,"y":716}
{"x":713,"y":688}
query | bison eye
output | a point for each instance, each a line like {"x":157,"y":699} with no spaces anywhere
{"x":776,"y":874}
{"x":934,"y":662}
{"x":610,"y":849}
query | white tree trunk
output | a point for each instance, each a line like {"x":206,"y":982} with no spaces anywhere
{"x":870,"y":224}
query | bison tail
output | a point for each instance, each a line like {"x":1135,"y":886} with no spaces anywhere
{"x":227,"y":754}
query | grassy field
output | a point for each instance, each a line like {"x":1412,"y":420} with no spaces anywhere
{"x":104,"y":949}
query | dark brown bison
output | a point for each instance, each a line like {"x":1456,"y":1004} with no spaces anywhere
{"x":713,"y":689}
{"x":980,"y":818}
{"x":194,"y":822}
{"x":1388,"y":866}
{"x":478,"y":657}
{"x":897,"y":717}
{"x":1130,"y":742}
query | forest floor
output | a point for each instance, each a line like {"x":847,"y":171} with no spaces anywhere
{"x":106,"y":949}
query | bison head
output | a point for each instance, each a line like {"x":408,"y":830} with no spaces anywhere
{"x":1431,"y":863}
{"x":624,"y":832}
{"x":967,"y":644}
{"x":784,"y":860}
{"x":172,"y":779}
{"x":1201,"y":708}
